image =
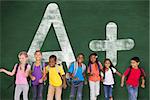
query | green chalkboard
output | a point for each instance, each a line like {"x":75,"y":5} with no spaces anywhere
{"x":84,"y":21}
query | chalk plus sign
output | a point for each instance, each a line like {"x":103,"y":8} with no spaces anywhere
{"x":111,"y":45}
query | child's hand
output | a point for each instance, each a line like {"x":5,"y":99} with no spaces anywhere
{"x":143,"y":85}
{"x":76,"y":78}
{"x":32,"y":78}
{"x":64,"y":85}
{"x":45,"y":78}
{"x":41,"y":80}
{"x":102,"y":80}
{"x":122,"y":84}
{"x":85,"y":82}
{"x":1,"y":70}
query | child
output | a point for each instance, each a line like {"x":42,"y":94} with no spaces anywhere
{"x":77,"y":74}
{"x":133,"y":74}
{"x":21,"y":71}
{"x":37,"y":76}
{"x":56,"y":74}
{"x":94,"y":73}
{"x":108,"y":78}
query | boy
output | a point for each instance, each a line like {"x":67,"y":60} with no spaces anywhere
{"x":77,"y":74}
{"x":133,"y":74}
{"x":56,"y":75}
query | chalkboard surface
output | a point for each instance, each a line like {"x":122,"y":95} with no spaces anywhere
{"x":84,"y":21}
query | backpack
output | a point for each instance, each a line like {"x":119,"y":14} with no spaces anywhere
{"x":76,"y":68}
{"x":99,"y":69}
{"x":111,"y":71}
{"x":42,"y":65}
{"x":17,"y":66}
{"x":142,"y":73}
{"x":70,"y":80}
{"x":57,"y":70}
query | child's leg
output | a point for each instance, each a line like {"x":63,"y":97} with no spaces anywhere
{"x":40,"y":92}
{"x":106,"y":92}
{"x":79,"y":93}
{"x":131,"y":92}
{"x":18,"y":91}
{"x":97,"y":89}
{"x":92,"y":90}
{"x":25,"y":91}
{"x":73,"y":92}
{"x":51,"y":90}
{"x":58,"y":93}
{"x":110,"y":92}
{"x":34,"y":91}
{"x":135,"y":89}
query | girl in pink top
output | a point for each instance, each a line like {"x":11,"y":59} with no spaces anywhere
{"x":21,"y":70}
{"x":94,"y":73}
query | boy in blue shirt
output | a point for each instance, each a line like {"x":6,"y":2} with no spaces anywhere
{"x":77,"y":74}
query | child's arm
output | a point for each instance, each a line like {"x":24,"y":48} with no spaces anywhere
{"x":30,"y":75}
{"x":143,"y":82}
{"x":118,"y":73}
{"x":10,"y":73}
{"x":122,"y":80}
{"x":43,"y":76}
{"x":85,"y":82}
{"x":64,"y":82}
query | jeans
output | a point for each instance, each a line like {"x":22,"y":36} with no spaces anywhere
{"x":77,"y":88}
{"x":94,"y":89}
{"x":108,"y":91}
{"x":19,"y":89}
{"x":133,"y":92}
{"x":37,"y":92}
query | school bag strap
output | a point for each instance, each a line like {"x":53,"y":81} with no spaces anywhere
{"x":98,"y":64}
{"x":113,"y":73}
{"x":17,"y":66}
{"x":142,"y":73}
{"x":42,"y":65}
{"x":76,"y":67}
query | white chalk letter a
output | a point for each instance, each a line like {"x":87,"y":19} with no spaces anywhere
{"x":52,"y":16}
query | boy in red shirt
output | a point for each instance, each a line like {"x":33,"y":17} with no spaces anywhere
{"x":133,"y":75}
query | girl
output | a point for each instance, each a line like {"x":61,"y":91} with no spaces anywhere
{"x":77,"y":74}
{"x":37,"y":77}
{"x":94,"y":73}
{"x":56,"y":75}
{"x":21,"y":70}
{"x":108,"y":81}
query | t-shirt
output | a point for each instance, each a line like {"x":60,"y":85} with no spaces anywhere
{"x":54,"y":76}
{"x":20,"y":75}
{"x":78,"y":74}
{"x":95,"y":71}
{"x":37,"y":73}
{"x":134,"y":76}
{"x":109,"y":80}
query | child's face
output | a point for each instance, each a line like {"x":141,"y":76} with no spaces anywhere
{"x":134,"y":63}
{"x":107,"y":64}
{"x":38,"y":56}
{"x":80,"y":58}
{"x":93,"y":58}
{"x":23,"y":59}
{"x":52,"y":62}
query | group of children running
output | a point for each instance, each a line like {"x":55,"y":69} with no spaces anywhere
{"x":75,"y":77}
